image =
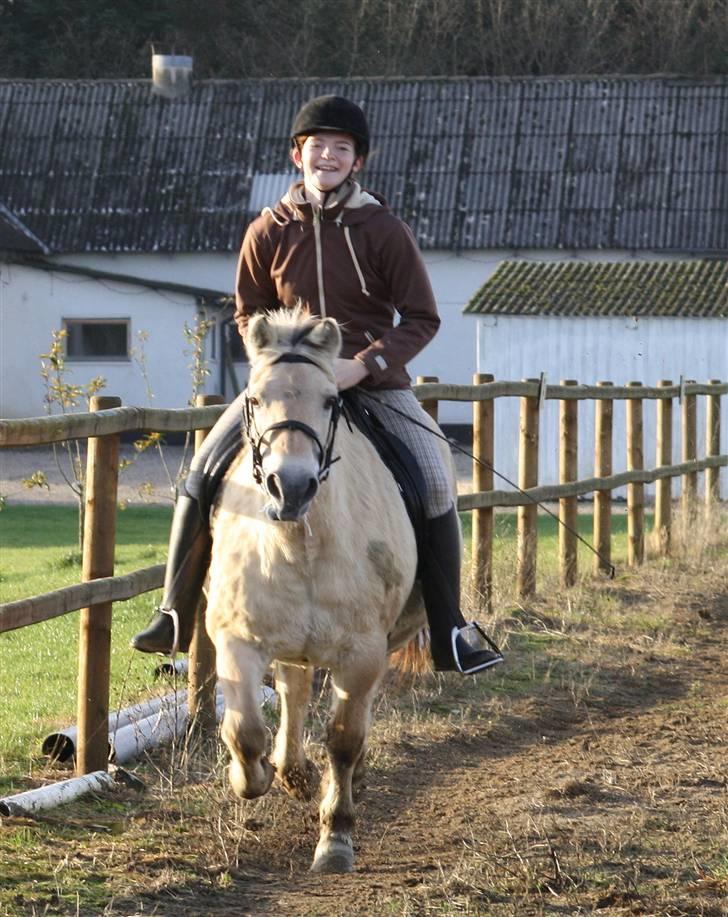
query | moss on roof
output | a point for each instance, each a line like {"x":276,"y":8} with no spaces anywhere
{"x":678,"y":288}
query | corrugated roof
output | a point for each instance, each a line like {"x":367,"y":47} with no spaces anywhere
{"x":677,"y":288}
{"x":617,"y":163}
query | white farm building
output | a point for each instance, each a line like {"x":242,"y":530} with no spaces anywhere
{"x":592,"y":321}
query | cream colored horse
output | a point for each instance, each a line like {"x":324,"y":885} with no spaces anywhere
{"x":306,"y":572}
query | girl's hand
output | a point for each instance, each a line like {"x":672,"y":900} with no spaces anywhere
{"x":349,"y":373}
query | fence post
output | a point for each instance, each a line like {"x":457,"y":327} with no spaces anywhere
{"x":663,"y":486}
{"x":635,"y":492}
{"x":482,"y":536}
{"x":429,"y":404}
{"x":568,"y":472}
{"x":94,"y":649}
{"x":202,"y":675}
{"x":527,"y":526}
{"x":602,"y":532}
{"x":712,"y":447}
{"x":689,"y":436}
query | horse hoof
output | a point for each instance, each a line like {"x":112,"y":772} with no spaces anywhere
{"x":301,"y":783}
{"x":333,"y":856}
{"x":249,"y":784}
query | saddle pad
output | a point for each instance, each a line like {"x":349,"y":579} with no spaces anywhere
{"x":396,"y":456}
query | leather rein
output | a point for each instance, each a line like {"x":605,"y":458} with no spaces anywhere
{"x":256,"y":440}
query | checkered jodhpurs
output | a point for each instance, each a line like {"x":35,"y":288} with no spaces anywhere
{"x":424,"y":446}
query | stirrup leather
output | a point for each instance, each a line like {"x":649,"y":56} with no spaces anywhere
{"x":475,"y":637}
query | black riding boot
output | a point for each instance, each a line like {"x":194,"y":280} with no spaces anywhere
{"x":456,"y":646}
{"x":172,"y":625}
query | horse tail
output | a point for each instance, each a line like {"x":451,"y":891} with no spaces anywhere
{"x":414,"y":657}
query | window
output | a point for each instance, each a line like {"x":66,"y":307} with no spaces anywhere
{"x":234,"y":348}
{"x":97,"y":338}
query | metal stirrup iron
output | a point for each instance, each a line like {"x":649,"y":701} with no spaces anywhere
{"x":474,"y":627}
{"x":175,"y":624}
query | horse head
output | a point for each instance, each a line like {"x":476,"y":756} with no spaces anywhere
{"x":292,"y":407}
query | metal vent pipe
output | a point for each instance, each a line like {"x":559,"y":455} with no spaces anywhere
{"x":171,"y":75}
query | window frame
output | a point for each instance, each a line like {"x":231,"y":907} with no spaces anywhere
{"x":99,"y":358}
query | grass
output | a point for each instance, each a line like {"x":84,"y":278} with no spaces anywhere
{"x":39,"y":665}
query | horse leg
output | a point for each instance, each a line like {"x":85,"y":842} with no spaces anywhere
{"x":354,"y":687}
{"x":296,"y":773}
{"x":240,"y":669}
{"x":359,"y":776}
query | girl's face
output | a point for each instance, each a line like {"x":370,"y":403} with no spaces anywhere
{"x":326,"y":159}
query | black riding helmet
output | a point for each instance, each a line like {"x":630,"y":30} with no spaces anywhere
{"x":332,"y":113}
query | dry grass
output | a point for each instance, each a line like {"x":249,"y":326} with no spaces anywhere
{"x":585,"y":776}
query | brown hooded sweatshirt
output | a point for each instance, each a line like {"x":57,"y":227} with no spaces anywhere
{"x":354,"y":261}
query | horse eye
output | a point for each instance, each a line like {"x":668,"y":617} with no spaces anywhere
{"x":330,"y":402}
{"x":253,"y":401}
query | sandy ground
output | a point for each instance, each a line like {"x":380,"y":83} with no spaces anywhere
{"x":144,"y":480}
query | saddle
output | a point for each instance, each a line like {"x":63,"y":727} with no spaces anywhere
{"x":396,"y":456}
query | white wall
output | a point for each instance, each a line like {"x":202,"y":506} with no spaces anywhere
{"x":589,"y":350}
{"x":33,"y":303}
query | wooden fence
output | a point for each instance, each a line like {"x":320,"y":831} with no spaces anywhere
{"x":107,"y":419}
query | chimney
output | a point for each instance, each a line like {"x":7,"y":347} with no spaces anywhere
{"x":171,"y":75}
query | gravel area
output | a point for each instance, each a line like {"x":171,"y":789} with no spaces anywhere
{"x":145,"y":480}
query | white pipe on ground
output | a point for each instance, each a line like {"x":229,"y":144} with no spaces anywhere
{"x":162,"y":727}
{"x":55,"y":794}
{"x":61,"y":746}
{"x":130,"y":740}
{"x":140,"y":727}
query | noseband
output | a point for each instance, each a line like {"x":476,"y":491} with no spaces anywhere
{"x":325,"y":460}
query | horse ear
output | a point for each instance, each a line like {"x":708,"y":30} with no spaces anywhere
{"x":261,"y":334}
{"x":326,"y":336}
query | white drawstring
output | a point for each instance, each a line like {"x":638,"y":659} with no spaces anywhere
{"x":319,"y":261}
{"x":360,"y":275}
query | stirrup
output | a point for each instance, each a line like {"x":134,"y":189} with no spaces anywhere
{"x":473,"y":636}
{"x":172,"y":612}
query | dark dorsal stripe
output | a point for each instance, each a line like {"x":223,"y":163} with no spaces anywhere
{"x":294,"y":358}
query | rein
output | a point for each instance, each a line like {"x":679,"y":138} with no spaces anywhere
{"x":256,"y":440}
{"x":456,"y":445}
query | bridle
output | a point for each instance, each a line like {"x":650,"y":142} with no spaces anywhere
{"x":256,"y":439}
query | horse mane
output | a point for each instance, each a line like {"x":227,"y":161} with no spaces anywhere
{"x":291,"y":333}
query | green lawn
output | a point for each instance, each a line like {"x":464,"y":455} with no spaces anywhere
{"x":38,"y":664}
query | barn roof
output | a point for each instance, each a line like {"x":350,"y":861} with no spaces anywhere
{"x":648,"y":288}
{"x":633,"y":163}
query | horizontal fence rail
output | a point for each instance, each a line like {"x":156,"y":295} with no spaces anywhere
{"x":95,"y":596}
{"x":37,"y":431}
{"x":84,"y":595}
{"x":551,"y":492}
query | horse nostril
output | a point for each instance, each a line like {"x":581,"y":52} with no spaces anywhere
{"x":311,"y":489}
{"x":272,"y":486}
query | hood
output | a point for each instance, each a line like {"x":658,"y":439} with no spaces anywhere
{"x":350,"y":205}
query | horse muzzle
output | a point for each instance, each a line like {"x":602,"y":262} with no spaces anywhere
{"x":291,"y":491}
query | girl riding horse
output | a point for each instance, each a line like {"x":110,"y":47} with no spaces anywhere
{"x":342,"y":252}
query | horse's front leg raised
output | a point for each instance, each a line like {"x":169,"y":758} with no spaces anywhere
{"x":354,"y":688}
{"x":240,"y":670}
{"x":297,"y":774}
